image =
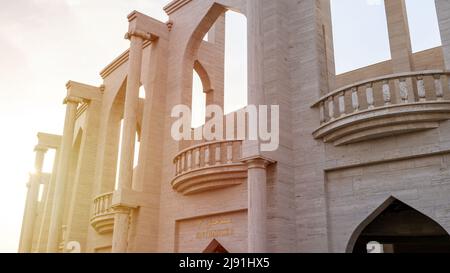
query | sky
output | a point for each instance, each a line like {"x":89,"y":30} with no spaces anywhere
{"x":45,"y":43}
{"x":361,"y":36}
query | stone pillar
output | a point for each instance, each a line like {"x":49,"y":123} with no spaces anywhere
{"x":257,"y":204}
{"x":400,"y":45}
{"x":120,"y":236}
{"x":31,"y":202}
{"x":62,"y":173}
{"x":130,"y":112}
{"x":121,"y":225}
{"x":443,"y":14}
{"x":255,"y":52}
{"x":255,"y":45}
{"x":399,"y":37}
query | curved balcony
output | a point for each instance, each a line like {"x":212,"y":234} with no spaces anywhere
{"x":384,"y":106}
{"x":103,"y":217}
{"x":209,"y":166}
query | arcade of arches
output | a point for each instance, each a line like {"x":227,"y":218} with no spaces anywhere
{"x":346,"y":142}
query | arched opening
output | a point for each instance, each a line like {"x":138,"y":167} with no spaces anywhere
{"x":215,"y":247}
{"x":198,"y":101}
{"x":398,"y":228}
{"x":223,"y":79}
{"x":236,"y":86}
{"x":119,"y":152}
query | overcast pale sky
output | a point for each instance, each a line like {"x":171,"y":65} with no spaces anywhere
{"x":45,"y":43}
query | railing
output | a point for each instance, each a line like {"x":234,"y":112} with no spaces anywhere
{"x":103,"y":216}
{"x":383,"y":91}
{"x":209,"y":166}
{"x":102,"y":204}
{"x":208,"y":155}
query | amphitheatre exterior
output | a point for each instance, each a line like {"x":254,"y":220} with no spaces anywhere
{"x":363,"y":156}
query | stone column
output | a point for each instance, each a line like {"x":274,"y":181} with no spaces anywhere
{"x":257,"y":204}
{"x":120,"y":236}
{"x":31,"y":202}
{"x":62,"y":173}
{"x":255,"y":52}
{"x":121,"y":225}
{"x":400,"y":44}
{"x":399,"y":37}
{"x":443,"y":14}
{"x":131,"y":109}
{"x":257,"y":176}
{"x":256,"y":96}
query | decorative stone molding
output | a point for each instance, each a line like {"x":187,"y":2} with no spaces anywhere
{"x":49,"y":141}
{"x":169,"y":25}
{"x":83,"y":91}
{"x":258,"y":162}
{"x":40,"y":148}
{"x":71,"y":99}
{"x":175,"y":5}
{"x":347,"y":118}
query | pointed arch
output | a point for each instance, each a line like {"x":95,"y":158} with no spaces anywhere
{"x":204,"y":77}
{"x":201,"y":30}
{"x":366,"y":222}
{"x":215,"y":247}
{"x":398,"y":224}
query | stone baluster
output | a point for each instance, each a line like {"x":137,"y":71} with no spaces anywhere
{"x":331,"y":108}
{"x":421,"y":89}
{"x":108,"y":203}
{"x":218,"y":159}
{"x":102,"y":205}
{"x":386,"y":93}
{"x":355,"y":99}
{"x":183,"y":162}
{"x":189,"y":160}
{"x":175,"y":162}
{"x":322,"y":112}
{"x":438,"y":87}
{"x":178,"y":165}
{"x":230,"y":153}
{"x":197,"y":158}
{"x":369,"y":95}
{"x":403,"y":89}
{"x":342,"y":104}
{"x":207,"y":159}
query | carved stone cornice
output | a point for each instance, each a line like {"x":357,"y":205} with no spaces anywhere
{"x":71,"y":99}
{"x":175,"y":5}
{"x":257,"y":162}
{"x":49,"y":141}
{"x":40,"y":148}
{"x":146,"y":36}
{"x":121,"y":209}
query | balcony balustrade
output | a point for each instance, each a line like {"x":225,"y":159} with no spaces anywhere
{"x":384,"y":106}
{"x":209,"y":166}
{"x":103,"y":217}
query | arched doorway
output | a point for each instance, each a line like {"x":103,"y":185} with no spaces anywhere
{"x":399,"y":228}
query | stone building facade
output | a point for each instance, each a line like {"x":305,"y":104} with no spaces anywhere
{"x":363,"y":156}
